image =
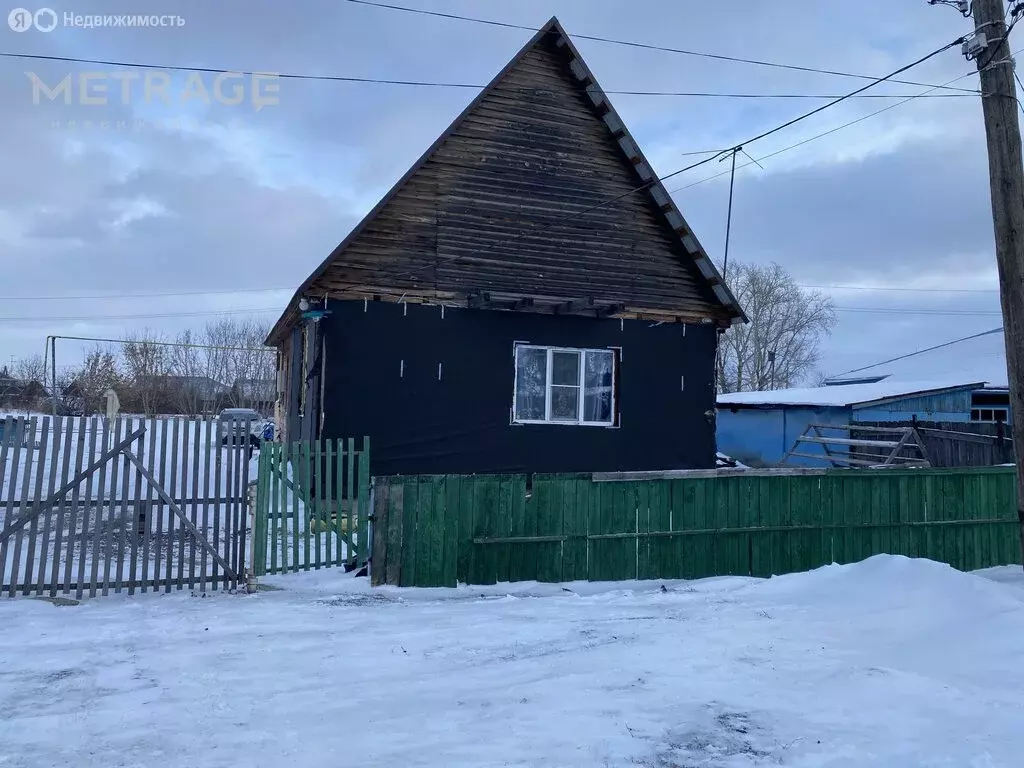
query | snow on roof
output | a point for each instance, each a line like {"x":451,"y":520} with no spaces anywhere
{"x":849,"y":394}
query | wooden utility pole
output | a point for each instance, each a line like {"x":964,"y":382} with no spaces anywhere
{"x":1006,"y":180}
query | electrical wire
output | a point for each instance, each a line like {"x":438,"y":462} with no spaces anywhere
{"x":633,"y":44}
{"x":438,"y":84}
{"x":282,"y":289}
{"x":911,"y":311}
{"x":657,"y":180}
{"x":890,"y":288}
{"x":824,"y":134}
{"x":921,"y":351}
{"x":158,"y":294}
{"x":90,"y":318}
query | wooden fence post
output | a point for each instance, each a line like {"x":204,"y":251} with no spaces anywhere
{"x":379,"y":494}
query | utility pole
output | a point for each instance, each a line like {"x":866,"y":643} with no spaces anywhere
{"x":1006,"y":181}
{"x":53,"y":371}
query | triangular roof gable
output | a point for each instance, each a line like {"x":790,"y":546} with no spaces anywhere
{"x":620,"y":134}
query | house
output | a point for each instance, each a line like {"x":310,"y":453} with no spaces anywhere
{"x":191,"y":394}
{"x":759,"y":428}
{"x":527,"y":297}
{"x":19,"y":393}
{"x":258,"y":394}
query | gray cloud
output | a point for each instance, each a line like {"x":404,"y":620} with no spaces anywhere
{"x":230,"y":198}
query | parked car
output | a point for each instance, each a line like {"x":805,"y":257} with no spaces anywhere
{"x":244,"y":425}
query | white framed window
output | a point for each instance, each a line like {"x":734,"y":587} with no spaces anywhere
{"x":560,"y":385}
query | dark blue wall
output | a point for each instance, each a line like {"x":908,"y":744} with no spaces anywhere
{"x":382,"y":380}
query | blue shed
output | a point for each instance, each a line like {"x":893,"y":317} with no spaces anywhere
{"x":759,"y":428}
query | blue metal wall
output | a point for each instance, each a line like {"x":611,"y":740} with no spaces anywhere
{"x":947,"y":406}
{"x":762,"y":436}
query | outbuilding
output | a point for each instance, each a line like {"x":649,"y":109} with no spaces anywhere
{"x":527,"y":298}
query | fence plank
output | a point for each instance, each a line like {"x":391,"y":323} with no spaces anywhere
{"x":192,"y":510}
{"x":452,"y":513}
{"x":26,"y":485}
{"x":261,"y":519}
{"x":139,"y":519}
{"x":279,"y":507}
{"x":355,"y":522}
{"x":147,"y":508}
{"x":362,"y":496}
{"x":90,"y":505}
{"x":379,"y":553}
{"x":124,"y":518}
{"x":396,"y":534}
{"x":33,"y":526}
{"x":179,"y":472}
{"x":217,"y":512}
{"x":13,"y":438}
{"x":332,"y":506}
{"x":211,"y":441}
{"x":102,"y":496}
{"x":410,"y":533}
{"x":56,"y":445}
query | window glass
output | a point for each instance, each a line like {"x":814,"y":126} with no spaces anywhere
{"x":565,"y":403}
{"x":597,"y":383}
{"x":565,"y":368}
{"x":531,"y":381}
{"x":565,"y":385}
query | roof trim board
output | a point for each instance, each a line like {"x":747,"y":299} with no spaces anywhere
{"x":606,"y":112}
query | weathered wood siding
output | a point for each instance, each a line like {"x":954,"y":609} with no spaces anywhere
{"x":497,"y":208}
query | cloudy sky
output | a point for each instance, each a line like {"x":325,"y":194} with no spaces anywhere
{"x":226,"y":208}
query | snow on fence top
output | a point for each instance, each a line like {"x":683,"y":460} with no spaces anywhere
{"x":846,"y":394}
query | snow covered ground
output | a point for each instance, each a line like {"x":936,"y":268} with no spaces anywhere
{"x":889,"y":662}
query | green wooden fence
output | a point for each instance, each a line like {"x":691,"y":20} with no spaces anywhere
{"x":312,"y":506}
{"x":483,"y":529}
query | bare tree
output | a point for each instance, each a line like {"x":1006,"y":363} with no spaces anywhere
{"x":31,"y":369}
{"x":780,"y":346}
{"x":190,"y":367}
{"x":85,"y":390}
{"x":147,"y":365}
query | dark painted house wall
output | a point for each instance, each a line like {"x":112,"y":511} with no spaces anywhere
{"x":382,"y":380}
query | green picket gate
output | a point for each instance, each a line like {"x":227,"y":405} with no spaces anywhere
{"x":442,"y":530}
{"x":312,"y":506}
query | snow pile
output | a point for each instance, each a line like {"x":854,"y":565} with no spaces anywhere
{"x":891,"y":582}
{"x":888,"y":662}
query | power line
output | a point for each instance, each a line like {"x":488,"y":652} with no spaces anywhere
{"x":282,"y":289}
{"x":439,"y":84}
{"x":825,"y":133}
{"x":921,"y":351}
{"x":110,"y":296}
{"x":163,"y":343}
{"x":737,"y":147}
{"x":913,"y":311}
{"x":902,"y":290}
{"x":89,"y":318}
{"x":633,"y":44}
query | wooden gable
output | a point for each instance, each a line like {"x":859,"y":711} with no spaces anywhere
{"x":531,"y":196}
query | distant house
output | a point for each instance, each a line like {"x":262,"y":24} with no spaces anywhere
{"x":527,"y":298}
{"x":184,"y":394}
{"x":759,"y":428}
{"x":258,"y":394}
{"x":19,"y":393}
